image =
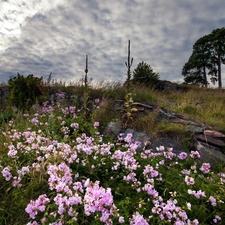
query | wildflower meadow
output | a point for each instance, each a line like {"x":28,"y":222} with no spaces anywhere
{"x":57,"y":168}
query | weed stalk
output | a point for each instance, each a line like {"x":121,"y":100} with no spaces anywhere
{"x":86,"y":93}
{"x":127,"y":118}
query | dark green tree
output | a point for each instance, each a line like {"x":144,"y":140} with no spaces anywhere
{"x":206,"y":59}
{"x":195,"y":70}
{"x":217,"y":39}
{"x":25,"y":91}
{"x":144,"y":74}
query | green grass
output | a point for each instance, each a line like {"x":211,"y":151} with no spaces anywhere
{"x":200,"y":104}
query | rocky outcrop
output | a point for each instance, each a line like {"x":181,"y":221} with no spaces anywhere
{"x":113,"y":129}
{"x":167,"y":86}
{"x":143,"y":138}
{"x":209,"y":153}
{"x":210,"y":143}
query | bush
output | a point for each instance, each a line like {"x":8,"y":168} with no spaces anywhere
{"x":143,"y":74}
{"x":25,"y":91}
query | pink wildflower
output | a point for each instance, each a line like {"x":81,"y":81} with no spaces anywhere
{"x":189,"y":180}
{"x":99,"y":199}
{"x":182,"y":156}
{"x":197,"y":194}
{"x":96,"y":124}
{"x":74,"y":125}
{"x":205,"y":168}
{"x":97,"y":100}
{"x":138,"y":219}
{"x":212,"y":200}
{"x":7,"y":173}
{"x":216,"y":219}
{"x":121,"y":219}
{"x":39,"y":205}
{"x":128,"y":138}
{"x":195,"y":155}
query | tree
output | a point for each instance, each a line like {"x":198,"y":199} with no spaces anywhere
{"x":25,"y":91}
{"x":217,"y":39}
{"x":207,"y":56}
{"x":195,"y":70}
{"x":144,"y":74}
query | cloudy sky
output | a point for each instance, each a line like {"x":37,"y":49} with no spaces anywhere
{"x":42,"y":36}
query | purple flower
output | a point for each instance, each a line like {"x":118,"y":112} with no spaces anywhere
{"x":212,"y":200}
{"x":205,"y":168}
{"x":195,"y":155}
{"x":99,"y":199}
{"x":160,"y":148}
{"x":12,"y":152}
{"x":39,"y":205}
{"x":121,"y":219}
{"x":138,"y":219}
{"x":63,"y":123}
{"x":128,"y":138}
{"x":150,"y":189}
{"x":197,"y":194}
{"x":6,"y":173}
{"x":185,"y":172}
{"x":74,"y":125}
{"x":182,"y":156}
{"x":150,"y":170}
{"x":169,"y":153}
{"x":194,"y":222}
{"x":189,"y":180}
{"x":130,"y":177}
{"x":24,"y":170}
{"x":97,"y":100}
{"x":216,"y":219}
{"x":96,"y":124}
{"x":34,"y":120}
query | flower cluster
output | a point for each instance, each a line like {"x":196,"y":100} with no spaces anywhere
{"x":84,"y":179}
{"x":99,"y":199}
{"x":39,"y":205}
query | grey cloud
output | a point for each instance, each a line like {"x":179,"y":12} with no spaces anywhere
{"x":161,"y":32}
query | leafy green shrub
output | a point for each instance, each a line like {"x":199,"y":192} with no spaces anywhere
{"x":25,"y":91}
{"x":5,"y":116}
{"x":144,"y":74}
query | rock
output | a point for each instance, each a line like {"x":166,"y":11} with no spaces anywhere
{"x":138,"y":136}
{"x":210,"y":140}
{"x":164,"y":85}
{"x":113,"y":129}
{"x":209,"y":153}
{"x":195,"y":129}
{"x":147,"y":143}
{"x":118,"y":105}
{"x":183,"y":121}
{"x":139,"y":109}
{"x":210,"y":143}
{"x":167,"y":143}
{"x":142,"y":108}
{"x":165,"y":115}
{"x":142,"y":105}
{"x":213,"y":133}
